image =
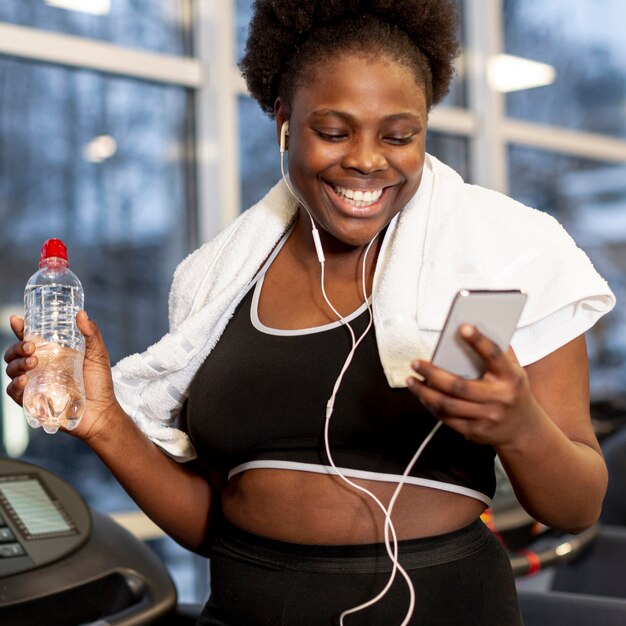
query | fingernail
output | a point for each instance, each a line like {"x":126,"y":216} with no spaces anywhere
{"x":86,"y":314}
{"x":30,"y":361}
{"x":466,"y":330}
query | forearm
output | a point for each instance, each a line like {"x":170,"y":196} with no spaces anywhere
{"x":177,"y":499}
{"x":561,"y":483}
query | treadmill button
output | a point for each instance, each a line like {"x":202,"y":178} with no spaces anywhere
{"x":8,"y":550}
{"x":6,"y":535}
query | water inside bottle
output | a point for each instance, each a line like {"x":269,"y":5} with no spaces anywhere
{"x":54,"y":395}
{"x":50,"y":313}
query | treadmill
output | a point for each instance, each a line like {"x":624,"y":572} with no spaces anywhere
{"x":63,"y":564}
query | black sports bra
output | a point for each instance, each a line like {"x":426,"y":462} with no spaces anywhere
{"x":259,"y":400}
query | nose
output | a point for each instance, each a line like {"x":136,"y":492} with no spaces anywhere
{"x":365,"y":155}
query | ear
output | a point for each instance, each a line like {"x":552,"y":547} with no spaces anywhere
{"x":282,"y":124}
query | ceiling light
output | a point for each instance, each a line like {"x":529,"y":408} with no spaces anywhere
{"x":510,"y":73}
{"x":100,"y":149}
{"x":94,"y":7}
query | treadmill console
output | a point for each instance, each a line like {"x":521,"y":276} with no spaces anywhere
{"x":63,"y":564}
{"x":42,"y":518}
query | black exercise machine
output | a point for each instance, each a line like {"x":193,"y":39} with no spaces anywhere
{"x":62,"y":564}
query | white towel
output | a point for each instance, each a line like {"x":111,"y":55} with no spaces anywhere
{"x":450,"y":236}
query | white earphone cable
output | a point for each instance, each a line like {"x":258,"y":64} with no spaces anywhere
{"x":389,"y":528}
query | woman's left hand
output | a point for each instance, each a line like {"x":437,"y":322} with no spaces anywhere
{"x":496,"y":410}
{"x":536,"y":418}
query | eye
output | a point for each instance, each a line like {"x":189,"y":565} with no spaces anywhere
{"x":399,"y":141}
{"x":334,"y":137}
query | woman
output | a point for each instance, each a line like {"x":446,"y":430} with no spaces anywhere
{"x":256,"y":348}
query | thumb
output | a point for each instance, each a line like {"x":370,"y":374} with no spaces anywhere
{"x":95,"y":350}
{"x":17,"y":326}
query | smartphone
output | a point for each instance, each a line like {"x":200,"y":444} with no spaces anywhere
{"x":494,"y":313}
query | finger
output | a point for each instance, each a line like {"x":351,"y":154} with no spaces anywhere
{"x":17,"y":326}
{"x":15,"y":388}
{"x":444,"y":406}
{"x":19,"y":350}
{"x":512,"y":357}
{"x":20,"y":366}
{"x":495,"y":359}
{"x":452,"y":385}
{"x":465,"y":427}
{"x":95,"y":350}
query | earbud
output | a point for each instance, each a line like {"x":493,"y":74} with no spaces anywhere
{"x":284,"y":133}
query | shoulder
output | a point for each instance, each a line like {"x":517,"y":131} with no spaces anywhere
{"x":230,"y":256}
{"x":189,"y":274}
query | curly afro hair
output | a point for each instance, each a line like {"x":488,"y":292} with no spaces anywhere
{"x":288,"y":38}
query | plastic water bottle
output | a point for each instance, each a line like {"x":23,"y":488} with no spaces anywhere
{"x":55,"y":393}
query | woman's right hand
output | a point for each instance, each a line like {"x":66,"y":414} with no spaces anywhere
{"x":21,"y":358}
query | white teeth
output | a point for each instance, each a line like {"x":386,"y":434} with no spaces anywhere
{"x":359,"y":199}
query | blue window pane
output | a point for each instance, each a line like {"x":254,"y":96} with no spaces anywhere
{"x":156,"y":25}
{"x":258,"y":150}
{"x":453,"y":150}
{"x":242,"y":18}
{"x":457,"y":96}
{"x":589,"y":199}
{"x":584,"y":41}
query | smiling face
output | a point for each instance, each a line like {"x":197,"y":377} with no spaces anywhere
{"x":357,"y":134}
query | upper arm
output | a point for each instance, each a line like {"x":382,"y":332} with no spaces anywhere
{"x":560,"y":384}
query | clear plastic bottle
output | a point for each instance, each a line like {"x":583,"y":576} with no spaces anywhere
{"x":55,"y":393}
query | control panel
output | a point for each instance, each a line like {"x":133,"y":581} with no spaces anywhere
{"x":42,"y":518}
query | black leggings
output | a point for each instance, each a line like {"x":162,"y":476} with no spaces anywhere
{"x":462,"y":578}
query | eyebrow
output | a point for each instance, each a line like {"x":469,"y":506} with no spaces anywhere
{"x":350,"y":118}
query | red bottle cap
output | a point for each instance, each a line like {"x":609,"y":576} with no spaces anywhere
{"x":52,"y":248}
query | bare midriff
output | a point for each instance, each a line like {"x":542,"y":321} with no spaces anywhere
{"x":309,"y":508}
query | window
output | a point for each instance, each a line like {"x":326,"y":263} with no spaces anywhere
{"x":583,"y":41}
{"x":452,"y":149}
{"x":103,"y":169}
{"x":104,"y":161}
{"x":567,"y":145}
{"x":157,"y":25}
{"x":589,"y":198}
{"x":258,"y":152}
